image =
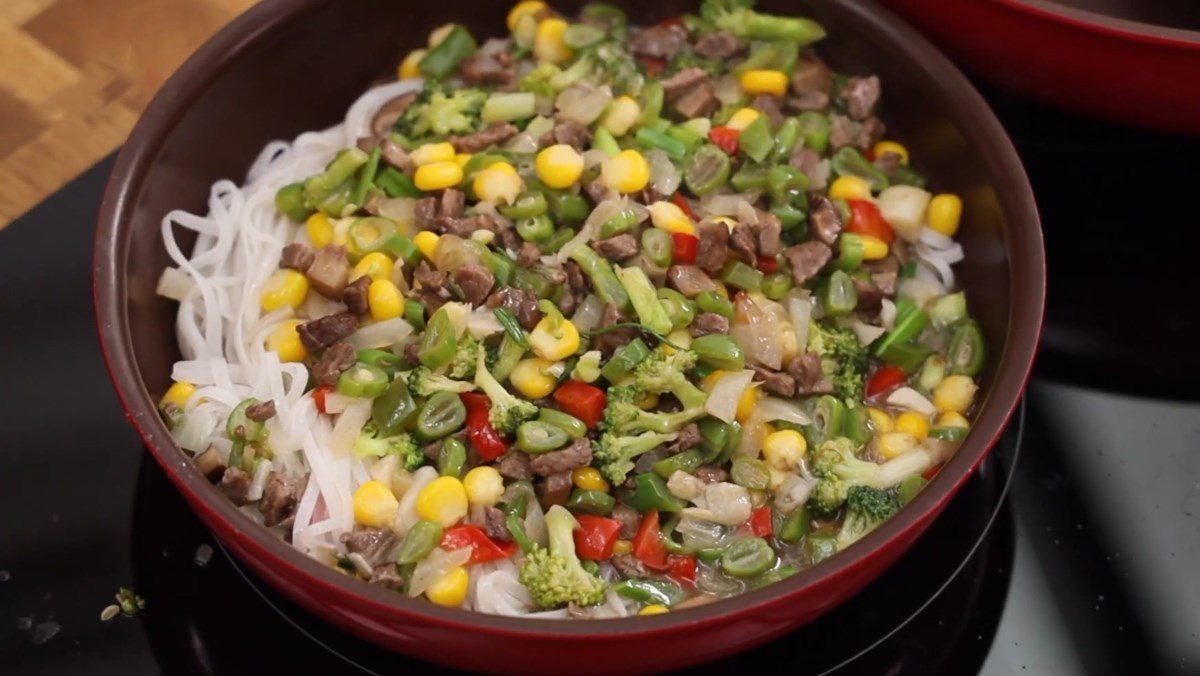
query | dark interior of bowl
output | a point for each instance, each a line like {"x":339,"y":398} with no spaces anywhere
{"x":300,"y":70}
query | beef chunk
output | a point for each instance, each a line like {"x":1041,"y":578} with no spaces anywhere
{"x":495,"y":68}
{"x":235,"y":484}
{"x":211,"y":464}
{"x":262,"y":411}
{"x":528,"y":255}
{"x":452,"y":203}
{"x":596,"y":191}
{"x":719,"y":45}
{"x":807,"y":259}
{"x":630,"y":567}
{"x":425,"y":213}
{"x":713,"y":248}
{"x":810,"y":378}
{"x":523,"y":305}
{"x":567,"y":132}
{"x":330,"y":271}
{"x":412,"y":353}
{"x":744,"y":241}
{"x":775,"y":381}
{"x":373,"y":544}
{"x":711,"y":474}
{"x":578,"y":454}
{"x":507,"y":234}
{"x":487,"y":137}
{"x":811,"y":83}
{"x":321,"y":333}
{"x":555,"y":489}
{"x":578,"y":282}
{"x":861,"y":95}
{"x":689,"y":280}
{"x":709,"y":322}
{"x":515,"y":465}
{"x":826,"y":221}
{"x":701,"y":101}
{"x":297,"y":256}
{"x":475,"y":281}
{"x":619,"y":248}
{"x":884,"y":274}
{"x":806,"y":160}
{"x":387,"y":576}
{"x":769,"y":230}
{"x":869,"y":295}
{"x":333,"y":362}
{"x":844,"y":131}
{"x":280,"y":497}
{"x":770,"y":106}
{"x":659,"y":42}
{"x":464,"y":227}
{"x":683,"y":82}
{"x":355,"y":295}
{"x":427,"y":277}
{"x":385,"y":118}
{"x":494,"y":524}
{"x":611,"y":341}
{"x":629,"y":519}
{"x":689,"y":438}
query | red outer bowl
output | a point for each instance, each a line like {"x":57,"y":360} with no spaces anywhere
{"x":253,"y":82}
{"x":1086,"y":61}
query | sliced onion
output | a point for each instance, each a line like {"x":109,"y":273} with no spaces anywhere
{"x":723,"y":205}
{"x":867,"y":333}
{"x":261,"y":471}
{"x":723,"y":399}
{"x":907,"y":397}
{"x":757,"y":330}
{"x":381,"y":334}
{"x":935,"y":239}
{"x":909,"y":463}
{"x":583,"y":103}
{"x":453,"y":253}
{"x":348,"y":426}
{"x":799,"y":307}
{"x":593,"y":157}
{"x":522,"y":144}
{"x":482,"y":323}
{"x":383,"y":468}
{"x":337,"y":403}
{"x":903,"y":207}
{"x":316,"y":306}
{"x":887,"y":313}
{"x":587,"y":316}
{"x":727,"y":89}
{"x":770,"y":409}
{"x":438,"y":563}
{"x":174,"y":284}
{"x":402,"y":210}
{"x":664,"y":177}
{"x":197,"y":428}
{"x":406,"y":514}
{"x":918,"y":290}
{"x":793,"y":492}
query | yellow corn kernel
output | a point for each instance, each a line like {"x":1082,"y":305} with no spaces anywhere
{"x":884,"y":147}
{"x":790,"y":347}
{"x":955,"y":393}
{"x":881,"y":420}
{"x":484,"y":486}
{"x":530,"y":378}
{"x":385,"y":300}
{"x":523,"y":9}
{"x":444,"y":500}
{"x":621,"y":115}
{"x":548,"y":44}
{"x":710,"y":381}
{"x":747,"y":403}
{"x":850,"y":188}
{"x":438,"y":175}
{"x":952,"y":419}
{"x":742,"y":118}
{"x":654,"y":609}
{"x":440,"y":33}
{"x":914,"y":423}
{"x":498,"y":184}
{"x":773,"y":82}
{"x":559,"y":166}
{"x":427,"y":242}
{"x":285,"y":341}
{"x":670,"y":217}
{"x":374,"y":505}
{"x":622,"y":547}
{"x":627,"y":172}
{"x":374,"y":265}
{"x":319,"y":229}
{"x":944,"y":213}
{"x":432,"y":152}
{"x":893,"y":444}
{"x":783,"y":450}
{"x":551,"y":343}
{"x":589,"y":479}
{"x":461,"y":159}
{"x":874,"y":249}
{"x":409,"y":67}
{"x":450,"y":588}
{"x":178,"y":394}
{"x":284,"y":288}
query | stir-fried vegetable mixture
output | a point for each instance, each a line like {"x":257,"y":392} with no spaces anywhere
{"x":603,"y":320}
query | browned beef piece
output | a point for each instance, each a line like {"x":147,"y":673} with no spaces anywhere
{"x":719,"y":45}
{"x":629,"y":566}
{"x":425,"y":213}
{"x":659,"y":42}
{"x":619,"y":248}
{"x":507,"y":234}
{"x":426,"y":276}
{"x":869,"y":295}
{"x":330,"y":271}
{"x":568,"y":132}
{"x":387,"y":576}
{"x":491,"y":135}
{"x":475,"y":281}
{"x":494,"y":525}
{"x":611,"y":341}
{"x":844,"y":131}
{"x":770,"y":106}
{"x":689,"y":438}
{"x":689,"y":280}
{"x":775,"y":381}
{"x":806,"y":160}
{"x":333,"y":362}
{"x":701,"y":101}
{"x":393,"y":154}
{"x":385,"y":118}
{"x":523,"y":305}
{"x":280,"y":497}
{"x":432,"y":450}
{"x":235,"y":484}
{"x":596,"y":191}
{"x":889,"y":162}
{"x":464,"y":227}
{"x":373,"y":544}
{"x":861,"y":95}
{"x":412,"y":352}
{"x":872,"y":132}
{"x":528,"y":255}
{"x":262,"y":411}
{"x":744,"y":241}
{"x":515,"y":465}
{"x":297,"y":256}
{"x":713,"y":248}
{"x":811,"y":85}
{"x":884,"y":274}
{"x":709,"y":322}
{"x":649,"y":195}
{"x":578,"y":454}
{"x":683,"y":82}
{"x":321,"y":333}
{"x":810,"y":378}
{"x":496,"y":68}
{"x":629,"y":519}
{"x":807,"y":259}
{"x":555,"y":489}
{"x":452,"y":203}
{"x":355,"y":295}
{"x":825,"y":220}
{"x":578,"y":282}
{"x":210,"y":463}
{"x":769,"y":230}
{"x":711,"y":474}
{"x":433,"y":300}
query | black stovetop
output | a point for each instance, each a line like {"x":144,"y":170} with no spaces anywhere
{"x":1073,"y":550}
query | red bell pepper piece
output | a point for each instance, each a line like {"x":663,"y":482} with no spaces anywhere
{"x":654,"y":67}
{"x":483,"y":548}
{"x":648,"y":546}
{"x":319,"y":395}
{"x":885,"y":379}
{"x":685,"y":247}
{"x":581,"y":400}
{"x":671,"y":21}
{"x":595,"y":537}
{"x":486,"y":440}
{"x":725,"y":138}
{"x":682,"y":569}
{"x":865,"y":219}
{"x":760,"y":522}
{"x":931,"y":472}
{"x":768,"y":265}
{"x":681,"y":202}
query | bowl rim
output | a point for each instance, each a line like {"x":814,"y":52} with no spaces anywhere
{"x":962,"y":102}
{"x":1108,"y":24}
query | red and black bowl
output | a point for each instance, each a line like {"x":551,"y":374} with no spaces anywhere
{"x":287,"y":66}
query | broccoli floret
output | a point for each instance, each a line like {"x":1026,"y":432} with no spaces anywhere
{"x":844,"y":359}
{"x":737,"y":17}
{"x":662,"y":372}
{"x":614,"y":453}
{"x":369,"y":444}
{"x":547,"y":79}
{"x":623,"y":416}
{"x":710,"y":10}
{"x":840,"y":471}
{"x":465,"y":355}
{"x":866,"y":508}
{"x":687,"y":59}
{"x":554,"y":575}
{"x":424,"y":383}
{"x":508,"y":411}
{"x":442,"y":114}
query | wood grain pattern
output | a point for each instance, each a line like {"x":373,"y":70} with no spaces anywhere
{"x":75,"y":74}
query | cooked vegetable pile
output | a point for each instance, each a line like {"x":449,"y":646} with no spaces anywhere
{"x":599,"y":320}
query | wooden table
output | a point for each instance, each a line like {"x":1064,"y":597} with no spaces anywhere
{"x":75,"y":74}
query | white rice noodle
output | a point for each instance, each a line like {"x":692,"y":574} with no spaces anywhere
{"x":174,"y":284}
{"x":261,"y":471}
{"x":938,"y":252}
{"x":349,"y":425}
